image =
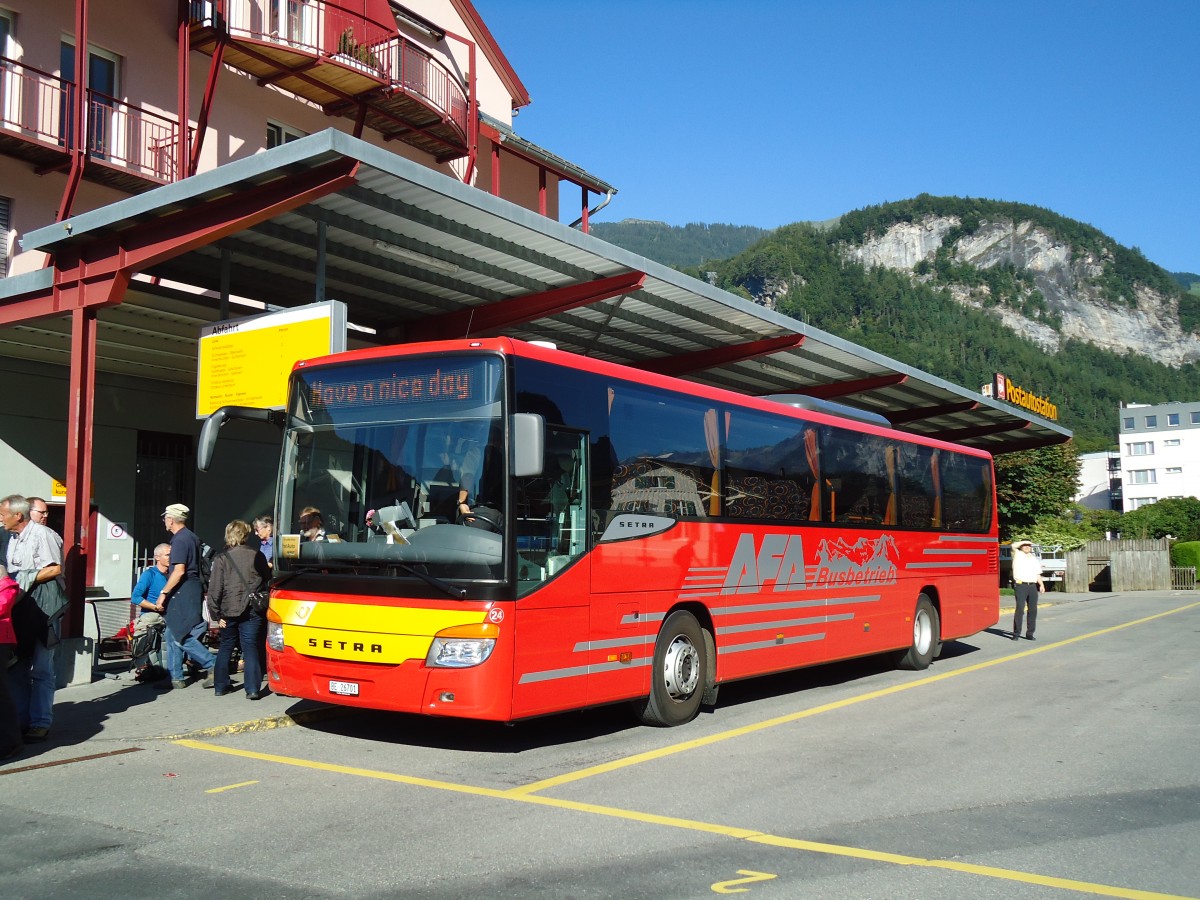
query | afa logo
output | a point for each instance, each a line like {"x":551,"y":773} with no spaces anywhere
{"x":779,"y":560}
{"x":776,"y":563}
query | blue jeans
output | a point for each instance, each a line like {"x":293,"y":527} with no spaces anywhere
{"x":245,"y":629}
{"x":191,"y":646}
{"x":33,"y":682}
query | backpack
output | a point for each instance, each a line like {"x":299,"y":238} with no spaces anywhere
{"x":204,"y":564}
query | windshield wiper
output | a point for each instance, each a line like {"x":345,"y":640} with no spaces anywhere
{"x":446,"y":587}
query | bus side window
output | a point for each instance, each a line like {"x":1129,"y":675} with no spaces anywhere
{"x":768,"y":472}
{"x":667,"y":453}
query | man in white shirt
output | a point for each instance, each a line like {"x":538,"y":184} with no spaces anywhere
{"x":1027,"y":582}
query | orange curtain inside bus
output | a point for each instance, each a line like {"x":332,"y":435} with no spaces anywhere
{"x":934,"y":462}
{"x":814,"y":466}
{"x":986,"y":481}
{"x":712,"y":440}
{"x":889,"y":516}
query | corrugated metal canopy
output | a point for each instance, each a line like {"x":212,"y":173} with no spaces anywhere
{"x":403,"y":245}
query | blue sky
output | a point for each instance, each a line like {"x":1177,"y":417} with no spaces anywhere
{"x":765,"y":113}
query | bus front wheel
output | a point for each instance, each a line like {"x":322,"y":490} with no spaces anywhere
{"x":679,"y":673}
{"x":926,"y":637}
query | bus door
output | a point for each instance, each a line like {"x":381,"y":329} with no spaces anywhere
{"x":550,"y":522}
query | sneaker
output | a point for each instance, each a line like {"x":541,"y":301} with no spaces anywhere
{"x":36,"y":734}
{"x":208,"y":680}
{"x":178,"y":683}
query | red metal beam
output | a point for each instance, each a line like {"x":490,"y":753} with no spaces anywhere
{"x":491,"y":317}
{"x":846,"y":388}
{"x":931,"y":412}
{"x":699,"y":360}
{"x":76,"y":137}
{"x":210,"y":96}
{"x":963,"y":434}
{"x":1031,"y":444}
{"x":183,"y":82}
{"x":84,"y":282}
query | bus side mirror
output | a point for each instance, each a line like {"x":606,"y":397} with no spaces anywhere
{"x":528,"y":443}
{"x":217,"y":419}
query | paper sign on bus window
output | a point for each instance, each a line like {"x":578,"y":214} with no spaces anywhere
{"x":246,"y":362}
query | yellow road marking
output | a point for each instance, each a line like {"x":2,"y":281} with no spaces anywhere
{"x":744,"y":834}
{"x":727,"y":887}
{"x":230,"y":787}
{"x":649,"y":755}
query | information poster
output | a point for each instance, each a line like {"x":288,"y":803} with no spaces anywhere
{"x":246,"y":362}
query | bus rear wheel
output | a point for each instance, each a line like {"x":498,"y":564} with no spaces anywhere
{"x":926,"y":637}
{"x":678,"y":675}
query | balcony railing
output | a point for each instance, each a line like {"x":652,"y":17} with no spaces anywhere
{"x":323,"y":30}
{"x":36,"y":106}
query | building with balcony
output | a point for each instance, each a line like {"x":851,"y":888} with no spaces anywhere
{"x":424,"y":79}
{"x":1160,"y":444}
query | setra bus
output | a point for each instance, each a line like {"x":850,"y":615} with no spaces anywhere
{"x":624,"y":537}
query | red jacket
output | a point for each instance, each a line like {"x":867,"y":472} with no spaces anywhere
{"x":9,"y":592}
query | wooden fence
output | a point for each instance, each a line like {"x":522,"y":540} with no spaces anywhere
{"x":1119,"y":566}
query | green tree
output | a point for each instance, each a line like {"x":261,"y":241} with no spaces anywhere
{"x":1175,"y":516}
{"x":1034,"y":485}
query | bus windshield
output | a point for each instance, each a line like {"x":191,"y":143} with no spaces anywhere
{"x":394,"y":467}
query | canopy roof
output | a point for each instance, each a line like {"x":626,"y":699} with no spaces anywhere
{"x":417,"y":255}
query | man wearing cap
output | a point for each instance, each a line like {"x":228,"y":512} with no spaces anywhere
{"x":1027,"y":581}
{"x":181,"y":599}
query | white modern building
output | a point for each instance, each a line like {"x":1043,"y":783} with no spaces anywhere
{"x":1099,"y":480}
{"x":1160,"y":446}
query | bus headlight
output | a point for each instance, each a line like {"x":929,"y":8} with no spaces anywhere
{"x":462,"y":646}
{"x":275,"y":635}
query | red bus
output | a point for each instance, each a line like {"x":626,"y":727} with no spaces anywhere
{"x":624,"y":536}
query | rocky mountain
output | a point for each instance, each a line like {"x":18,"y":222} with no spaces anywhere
{"x":1071,"y":282}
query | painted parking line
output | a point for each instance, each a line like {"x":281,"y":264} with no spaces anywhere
{"x":660,"y":753}
{"x":744,"y":834}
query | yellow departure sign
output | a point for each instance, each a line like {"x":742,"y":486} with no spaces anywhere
{"x":246,"y":362}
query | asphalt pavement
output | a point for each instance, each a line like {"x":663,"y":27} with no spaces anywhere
{"x":115,"y":710}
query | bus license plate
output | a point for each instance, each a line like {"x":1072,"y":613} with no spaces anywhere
{"x":346,"y":688}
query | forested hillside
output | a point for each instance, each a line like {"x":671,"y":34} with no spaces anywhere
{"x":678,"y":246}
{"x":964,"y":318}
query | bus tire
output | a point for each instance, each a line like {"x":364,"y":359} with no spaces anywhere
{"x":678,"y":673}
{"x":926,"y":637}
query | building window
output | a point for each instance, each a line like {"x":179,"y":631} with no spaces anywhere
{"x":1140,"y":448}
{"x":1128,"y":420}
{"x":281,"y":134}
{"x":1139,"y":502}
{"x":1195,"y":418}
{"x":1174,"y":470}
{"x":1172,"y":420}
{"x":1151,"y":421}
{"x":1173,"y":442}
{"x":1141,"y":476}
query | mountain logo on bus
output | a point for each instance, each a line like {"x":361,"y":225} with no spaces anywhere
{"x":866,"y":561}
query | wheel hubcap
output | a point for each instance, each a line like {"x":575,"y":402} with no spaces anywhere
{"x":681,"y":668}
{"x":922,"y":632}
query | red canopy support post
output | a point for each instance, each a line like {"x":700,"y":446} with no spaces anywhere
{"x":78,"y":542}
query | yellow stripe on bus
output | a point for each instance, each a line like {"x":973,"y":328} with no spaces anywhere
{"x":363,"y":632}
{"x":370,"y":618}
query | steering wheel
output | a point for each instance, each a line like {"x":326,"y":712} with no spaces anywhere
{"x":485,"y":518}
